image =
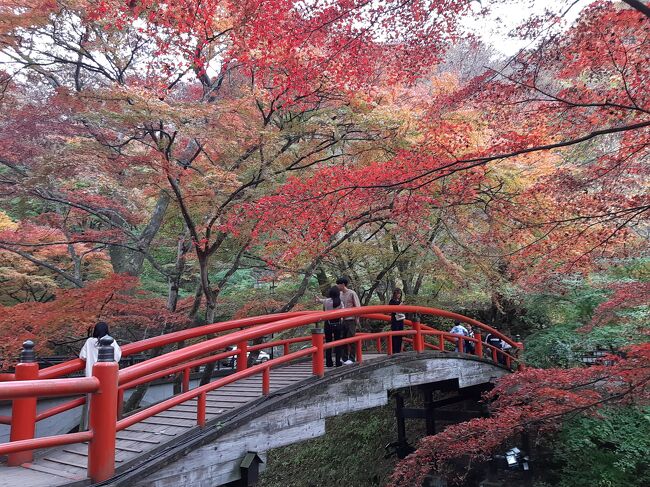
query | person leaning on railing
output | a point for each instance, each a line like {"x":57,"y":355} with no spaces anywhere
{"x":496,"y":342}
{"x":458,"y":329}
{"x":333,"y":328}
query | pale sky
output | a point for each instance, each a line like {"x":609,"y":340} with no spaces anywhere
{"x":512,"y":13}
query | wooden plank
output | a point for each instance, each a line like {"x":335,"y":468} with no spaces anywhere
{"x":82,"y":455}
{"x":230,"y":398}
{"x":121,"y":436}
{"x":76,"y":449}
{"x":191,"y":416}
{"x":169,"y":421}
{"x":68,"y":469}
{"x":228,"y":405}
{"x":217,"y":398}
{"x":285,"y":376}
{"x":192,"y":409}
{"x":276,"y":380}
{"x":225,"y":396}
{"x":51,"y":471}
{"x":297,"y":373}
{"x":20,"y":476}
{"x":247,"y":395}
{"x":68,"y":460}
{"x":163,"y":430}
{"x":239,"y":389}
{"x":82,"y":450}
{"x":126,"y":446}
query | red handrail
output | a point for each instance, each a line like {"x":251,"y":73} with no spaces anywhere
{"x":184,"y":359}
{"x":49,"y":388}
{"x":232,"y":324}
{"x":189,"y":395}
{"x":178,"y":356}
{"x":80,"y":401}
{"x":76,"y":365}
{"x":45,"y":442}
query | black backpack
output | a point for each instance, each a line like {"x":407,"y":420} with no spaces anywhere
{"x":493,"y":340}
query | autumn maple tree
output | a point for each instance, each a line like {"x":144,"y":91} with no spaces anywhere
{"x":182,"y":146}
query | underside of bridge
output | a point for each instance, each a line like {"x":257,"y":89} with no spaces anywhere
{"x":212,"y":455}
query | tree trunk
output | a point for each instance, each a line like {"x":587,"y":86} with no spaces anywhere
{"x":130,"y":261}
{"x":210,"y":308}
{"x":309,"y":272}
{"x":196,"y":305}
{"x":184,"y":245}
{"x":323,"y":281}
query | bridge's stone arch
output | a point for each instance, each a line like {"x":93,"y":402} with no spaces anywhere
{"x":211,"y":456}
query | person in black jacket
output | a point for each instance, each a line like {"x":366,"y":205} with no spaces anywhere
{"x":496,"y":342}
{"x":333,"y":328}
{"x":397,"y":320}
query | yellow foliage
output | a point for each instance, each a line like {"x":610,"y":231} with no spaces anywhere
{"x":6,"y":223}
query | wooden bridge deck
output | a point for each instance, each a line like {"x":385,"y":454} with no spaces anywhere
{"x":67,"y":465}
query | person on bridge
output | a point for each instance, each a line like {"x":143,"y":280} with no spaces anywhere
{"x":470,"y":346}
{"x":498,"y":344}
{"x":459,"y":329}
{"x":333,"y":328}
{"x":90,"y":350}
{"x":90,"y":353}
{"x":397,"y":320}
{"x":350,"y":300}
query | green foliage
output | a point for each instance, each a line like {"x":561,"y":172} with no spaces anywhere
{"x":563,"y":345}
{"x":351,"y":453}
{"x":607,"y":451}
{"x":560,"y":342}
{"x":574,"y":306}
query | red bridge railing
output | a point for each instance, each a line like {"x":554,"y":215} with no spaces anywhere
{"x":107,"y":386}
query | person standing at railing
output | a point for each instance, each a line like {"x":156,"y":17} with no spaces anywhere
{"x":90,"y":350}
{"x":350,"y":323}
{"x":470,"y":346}
{"x":333,"y":328}
{"x":396,"y":320}
{"x":498,"y":344}
{"x":90,"y":353}
{"x":458,"y":329}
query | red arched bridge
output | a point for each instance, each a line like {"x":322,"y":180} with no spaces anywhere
{"x":256,"y":408}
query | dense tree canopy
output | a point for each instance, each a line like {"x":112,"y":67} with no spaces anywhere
{"x":163,"y":163}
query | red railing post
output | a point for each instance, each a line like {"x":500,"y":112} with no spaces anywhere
{"x":186,"y":379}
{"x":359,"y":346}
{"x":103,"y":415}
{"x":379,"y":345}
{"x":23,"y":411}
{"x":285,"y":349}
{"x":266,"y":381}
{"x":418,"y":340}
{"x":318,"y":358}
{"x":441,"y":342}
{"x":478,"y":345}
{"x":242,"y":355}
{"x":200,"y":409}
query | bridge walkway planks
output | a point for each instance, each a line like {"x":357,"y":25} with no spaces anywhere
{"x":66,"y":465}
